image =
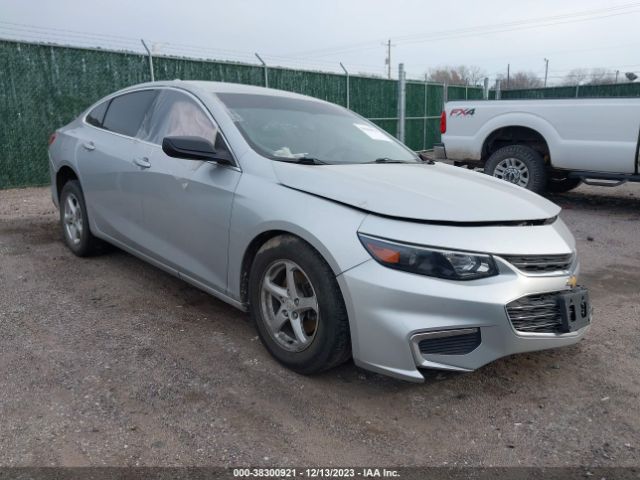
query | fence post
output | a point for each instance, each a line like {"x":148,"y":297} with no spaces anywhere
{"x":402,"y":91}
{"x":498,"y":89}
{"x":426,"y":112}
{"x":347,"y":74}
{"x":150,"y":59}
{"x":577,"y":90}
{"x":266,"y":71}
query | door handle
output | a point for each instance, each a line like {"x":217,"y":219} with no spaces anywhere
{"x":89,"y":146}
{"x":142,"y":162}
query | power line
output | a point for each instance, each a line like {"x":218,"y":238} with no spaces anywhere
{"x":485,"y":29}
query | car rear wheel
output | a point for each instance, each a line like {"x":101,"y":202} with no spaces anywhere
{"x":297,"y":306}
{"x":520,"y":165}
{"x":74,"y":221}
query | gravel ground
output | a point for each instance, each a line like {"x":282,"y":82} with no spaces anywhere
{"x":110,"y":361}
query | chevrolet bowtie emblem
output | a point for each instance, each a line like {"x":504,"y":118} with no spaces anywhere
{"x":573,"y":281}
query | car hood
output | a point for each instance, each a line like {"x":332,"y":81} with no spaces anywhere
{"x":424,"y":192}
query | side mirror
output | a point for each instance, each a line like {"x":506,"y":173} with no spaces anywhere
{"x":195,"y":148}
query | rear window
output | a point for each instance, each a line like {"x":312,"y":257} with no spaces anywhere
{"x":96,"y":116}
{"x":126,"y":112}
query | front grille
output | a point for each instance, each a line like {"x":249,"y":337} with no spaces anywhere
{"x":540,"y":263}
{"x":451,"y":345}
{"x":536,"y":314}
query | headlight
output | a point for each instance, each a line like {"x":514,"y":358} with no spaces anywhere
{"x":433,"y":262}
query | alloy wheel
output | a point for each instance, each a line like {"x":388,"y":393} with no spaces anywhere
{"x":73,"y":219}
{"x":512,"y":170}
{"x":289,"y":305}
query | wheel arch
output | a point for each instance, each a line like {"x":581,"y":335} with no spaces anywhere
{"x":519,"y":122}
{"x":263,"y":237}
{"x":515,"y":135}
{"x":64,"y":174}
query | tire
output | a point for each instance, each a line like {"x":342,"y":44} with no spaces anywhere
{"x":75,"y":223}
{"x":327,"y":342}
{"x":560,"y":183}
{"x":520,"y":165}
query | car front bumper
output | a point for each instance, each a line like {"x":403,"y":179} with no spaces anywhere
{"x":390,"y":311}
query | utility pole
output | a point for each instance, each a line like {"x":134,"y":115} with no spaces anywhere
{"x":387,"y":60}
{"x":546,"y":71}
{"x":508,"y":76}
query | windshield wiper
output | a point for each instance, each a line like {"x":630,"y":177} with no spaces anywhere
{"x":387,"y":160}
{"x":304,"y":160}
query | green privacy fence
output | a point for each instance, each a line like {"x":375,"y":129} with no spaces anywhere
{"x":575,"y":91}
{"x":43,"y":87}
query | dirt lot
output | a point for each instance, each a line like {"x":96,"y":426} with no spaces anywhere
{"x":109,"y":361}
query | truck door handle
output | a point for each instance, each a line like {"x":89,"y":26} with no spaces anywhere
{"x":142,"y":162}
{"x":89,"y":146}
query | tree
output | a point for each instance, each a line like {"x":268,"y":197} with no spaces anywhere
{"x":520,"y":80}
{"x":460,"y":75}
{"x":585,"y":76}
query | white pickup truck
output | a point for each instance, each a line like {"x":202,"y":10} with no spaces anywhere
{"x":545,"y":144}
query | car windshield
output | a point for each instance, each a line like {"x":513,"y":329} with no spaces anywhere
{"x":293,"y":129}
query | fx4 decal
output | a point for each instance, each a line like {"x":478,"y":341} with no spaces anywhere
{"x":462,"y":112}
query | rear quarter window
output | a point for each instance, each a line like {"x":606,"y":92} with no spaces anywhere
{"x":126,"y":112}
{"x":96,"y":116}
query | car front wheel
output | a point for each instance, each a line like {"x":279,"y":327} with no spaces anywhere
{"x":297,"y":306}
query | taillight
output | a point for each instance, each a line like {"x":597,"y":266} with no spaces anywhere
{"x":52,"y":138}
{"x":443,"y":122}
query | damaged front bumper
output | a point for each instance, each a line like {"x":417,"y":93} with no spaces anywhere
{"x":401,"y":322}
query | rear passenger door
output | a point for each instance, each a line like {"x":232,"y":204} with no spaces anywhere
{"x":110,"y":160}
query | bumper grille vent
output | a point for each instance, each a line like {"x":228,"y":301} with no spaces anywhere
{"x":536,"y":314}
{"x":540,"y":263}
{"x":451,"y":344}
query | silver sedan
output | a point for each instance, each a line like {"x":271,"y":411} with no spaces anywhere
{"x":340,"y":241}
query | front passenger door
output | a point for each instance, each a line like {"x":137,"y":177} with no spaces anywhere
{"x":187,"y":203}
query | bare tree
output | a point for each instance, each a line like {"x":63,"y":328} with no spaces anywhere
{"x":575,"y":76}
{"x":585,"y":76}
{"x":520,"y":80}
{"x":460,"y":75}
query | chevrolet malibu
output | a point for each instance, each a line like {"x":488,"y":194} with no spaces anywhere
{"x":340,"y":241}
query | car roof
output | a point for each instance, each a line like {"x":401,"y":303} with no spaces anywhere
{"x":197,"y":86}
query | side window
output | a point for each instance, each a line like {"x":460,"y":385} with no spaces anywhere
{"x":176,"y":114}
{"x":221,"y":145}
{"x":126,"y":112}
{"x":96,"y":116}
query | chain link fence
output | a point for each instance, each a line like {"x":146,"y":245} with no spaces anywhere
{"x":43,"y":87}
{"x":572,"y":91}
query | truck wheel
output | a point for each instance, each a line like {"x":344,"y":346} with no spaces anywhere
{"x":560,"y":183}
{"x":520,"y":165}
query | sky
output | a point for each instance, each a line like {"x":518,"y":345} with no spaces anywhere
{"x":319,"y":35}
